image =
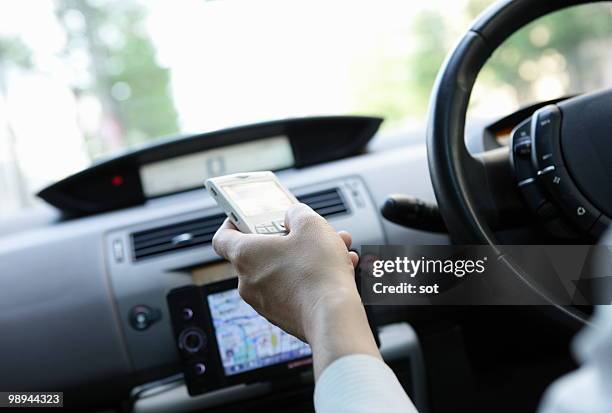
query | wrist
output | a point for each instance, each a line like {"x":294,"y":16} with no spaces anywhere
{"x":338,"y":326}
{"x":330,"y":306}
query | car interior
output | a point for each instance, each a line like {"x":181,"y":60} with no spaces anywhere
{"x":110,"y":290}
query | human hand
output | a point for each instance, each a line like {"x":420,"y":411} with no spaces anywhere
{"x":289,"y":278}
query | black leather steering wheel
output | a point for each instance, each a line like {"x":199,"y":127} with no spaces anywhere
{"x":453,"y":170}
{"x":467,"y":198}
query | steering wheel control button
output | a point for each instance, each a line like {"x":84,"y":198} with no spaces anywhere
{"x":142,"y":317}
{"x":531,"y":193}
{"x":192,"y":340}
{"x":521,"y":151}
{"x":547,"y":170}
{"x":546,"y":138}
{"x":523,"y":148}
{"x":523,"y":167}
{"x":575,"y":206}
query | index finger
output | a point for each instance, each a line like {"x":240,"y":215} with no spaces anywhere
{"x":226,"y":240}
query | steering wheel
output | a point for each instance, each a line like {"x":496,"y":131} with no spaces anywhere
{"x":562,"y":162}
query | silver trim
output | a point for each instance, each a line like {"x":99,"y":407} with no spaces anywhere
{"x":546,"y":170}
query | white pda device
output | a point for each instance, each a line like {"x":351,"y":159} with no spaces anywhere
{"x":255,"y":202}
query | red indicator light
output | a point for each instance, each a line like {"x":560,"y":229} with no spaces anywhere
{"x":117,"y":180}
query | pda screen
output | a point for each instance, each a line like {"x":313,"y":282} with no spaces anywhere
{"x":258,"y":198}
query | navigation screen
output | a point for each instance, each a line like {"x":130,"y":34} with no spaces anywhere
{"x":246,"y":340}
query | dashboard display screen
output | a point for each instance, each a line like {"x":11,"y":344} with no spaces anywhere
{"x":246,"y":340}
{"x":258,"y":198}
{"x":190,"y":171}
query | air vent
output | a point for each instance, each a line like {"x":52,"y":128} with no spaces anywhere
{"x":198,"y":232}
{"x":326,"y":203}
{"x":174,"y":237}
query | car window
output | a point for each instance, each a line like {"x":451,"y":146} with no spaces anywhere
{"x":82,"y":79}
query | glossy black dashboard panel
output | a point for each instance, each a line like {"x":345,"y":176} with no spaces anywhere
{"x":117,"y":182}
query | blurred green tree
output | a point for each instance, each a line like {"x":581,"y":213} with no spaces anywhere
{"x":13,"y":54}
{"x":132,"y":88}
{"x":567,"y":44}
{"x":566,"y":37}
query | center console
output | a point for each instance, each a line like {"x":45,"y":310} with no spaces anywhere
{"x":170,"y":248}
{"x":399,"y":347}
{"x":223,"y":341}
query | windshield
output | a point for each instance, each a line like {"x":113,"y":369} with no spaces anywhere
{"x":85,"y":79}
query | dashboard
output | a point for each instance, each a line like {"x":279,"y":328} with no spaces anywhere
{"x":91,"y":280}
{"x":170,"y":166}
{"x":93,"y":288}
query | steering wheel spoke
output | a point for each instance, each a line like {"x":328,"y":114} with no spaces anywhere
{"x":495,"y":192}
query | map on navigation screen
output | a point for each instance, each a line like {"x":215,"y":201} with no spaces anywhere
{"x":246,"y":340}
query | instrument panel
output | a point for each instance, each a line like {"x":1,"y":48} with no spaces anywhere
{"x":190,"y":171}
{"x":181,"y":164}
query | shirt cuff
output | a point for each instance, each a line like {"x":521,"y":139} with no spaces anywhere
{"x":360,"y":383}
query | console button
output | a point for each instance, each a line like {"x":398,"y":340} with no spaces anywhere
{"x":187,"y":313}
{"x":192,"y":340}
{"x":118,"y":250}
{"x":569,"y":199}
{"x":262,"y":230}
{"x":142,"y":316}
{"x":546,"y":138}
{"x":199,"y":368}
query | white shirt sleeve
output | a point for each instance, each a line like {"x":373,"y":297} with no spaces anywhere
{"x":588,"y":389}
{"x":360,"y":383}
